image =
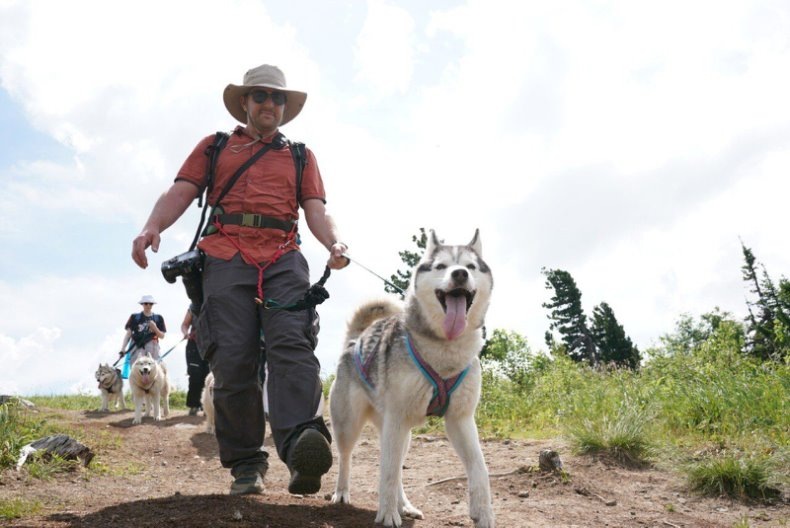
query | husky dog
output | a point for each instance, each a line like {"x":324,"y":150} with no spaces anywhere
{"x":207,"y":400}
{"x":148,"y":382}
{"x":111,"y":387}
{"x":401,"y":363}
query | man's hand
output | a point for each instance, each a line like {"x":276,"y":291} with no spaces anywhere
{"x":147,"y":238}
{"x":121,"y":353}
{"x":168,"y":208}
{"x":337,"y":260}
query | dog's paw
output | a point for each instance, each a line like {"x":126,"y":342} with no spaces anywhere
{"x":137,"y":421}
{"x":407,"y":510}
{"x":484,"y":519}
{"x":341,"y":497}
{"x":391,"y":518}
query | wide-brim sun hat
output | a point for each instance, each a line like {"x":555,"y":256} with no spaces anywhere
{"x":264,"y":76}
{"x":147,"y":299}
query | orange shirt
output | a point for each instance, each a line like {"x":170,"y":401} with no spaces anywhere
{"x":267,"y":188}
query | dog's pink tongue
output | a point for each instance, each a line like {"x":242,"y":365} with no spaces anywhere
{"x":455,"y":317}
{"x":145,"y":378}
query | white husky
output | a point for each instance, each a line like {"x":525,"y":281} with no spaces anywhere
{"x":149,"y":384}
{"x":400,"y":364}
{"x":110,"y":386}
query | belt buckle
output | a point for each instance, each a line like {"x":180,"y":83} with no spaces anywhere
{"x":249,"y":220}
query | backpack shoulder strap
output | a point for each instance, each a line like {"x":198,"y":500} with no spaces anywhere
{"x":212,"y":153}
{"x":299,"y":154}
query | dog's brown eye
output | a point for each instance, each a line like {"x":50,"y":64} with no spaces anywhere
{"x":441,"y":266}
{"x":471,"y":267}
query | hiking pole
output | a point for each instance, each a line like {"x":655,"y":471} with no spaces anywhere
{"x":388,"y":283}
{"x":171,"y":349}
{"x":128,"y":349}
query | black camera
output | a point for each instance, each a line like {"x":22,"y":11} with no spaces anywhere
{"x":188,"y":266}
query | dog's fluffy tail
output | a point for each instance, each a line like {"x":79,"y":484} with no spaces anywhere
{"x":370,"y":312}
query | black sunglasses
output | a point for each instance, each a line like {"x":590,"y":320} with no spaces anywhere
{"x":148,"y":303}
{"x":278,"y":98}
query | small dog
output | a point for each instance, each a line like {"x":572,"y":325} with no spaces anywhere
{"x":403,"y":362}
{"x":207,"y":400}
{"x":149,"y":384}
{"x":110,"y":386}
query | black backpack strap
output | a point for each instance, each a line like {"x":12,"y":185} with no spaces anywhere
{"x":299,"y":154}
{"x":212,"y":153}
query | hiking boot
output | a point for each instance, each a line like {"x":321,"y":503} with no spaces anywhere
{"x":248,"y":482}
{"x":193,"y":411}
{"x":310,"y":458}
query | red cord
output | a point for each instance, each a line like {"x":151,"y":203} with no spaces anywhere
{"x":277,"y":254}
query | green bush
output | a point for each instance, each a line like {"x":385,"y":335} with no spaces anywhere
{"x":733,"y":474}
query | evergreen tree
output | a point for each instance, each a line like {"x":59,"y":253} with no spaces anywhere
{"x":567,"y":317}
{"x":401,"y":279}
{"x":768,"y":322}
{"x":610,"y":339}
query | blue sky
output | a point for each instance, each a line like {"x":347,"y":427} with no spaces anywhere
{"x":629,"y":143}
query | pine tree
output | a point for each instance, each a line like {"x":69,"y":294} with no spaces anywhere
{"x":567,"y":316}
{"x":768,"y":322}
{"x":401,"y":279}
{"x":614,"y":346}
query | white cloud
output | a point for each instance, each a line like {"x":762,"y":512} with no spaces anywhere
{"x":627,"y":143}
{"x":384,"y":51}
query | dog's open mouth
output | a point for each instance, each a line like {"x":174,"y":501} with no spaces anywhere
{"x":456,"y":304}
{"x":454,"y":295}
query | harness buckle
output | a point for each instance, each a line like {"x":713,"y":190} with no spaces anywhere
{"x":250,"y":220}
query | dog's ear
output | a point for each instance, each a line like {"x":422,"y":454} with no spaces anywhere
{"x":432,"y":243}
{"x":476,"y":244}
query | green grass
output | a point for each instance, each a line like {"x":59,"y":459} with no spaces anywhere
{"x":73,"y":402}
{"x":732,"y":474}
{"x":665,"y":413}
{"x":86,"y":402}
{"x":18,"y":508}
{"x":46,"y":467}
{"x":742,"y":523}
{"x":622,"y":437}
{"x":18,"y":428}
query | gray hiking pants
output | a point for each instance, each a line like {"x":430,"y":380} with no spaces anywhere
{"x":228,"y":336}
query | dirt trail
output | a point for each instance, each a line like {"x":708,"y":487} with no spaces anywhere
{"x":168,"y":474}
